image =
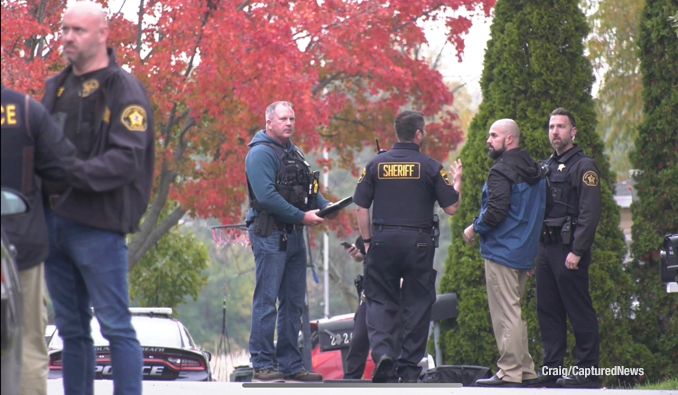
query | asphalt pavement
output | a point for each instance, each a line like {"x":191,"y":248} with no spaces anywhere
{"x":221,"y":388}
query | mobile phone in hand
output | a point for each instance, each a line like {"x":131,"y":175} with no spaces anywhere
{"x":346,"y":245}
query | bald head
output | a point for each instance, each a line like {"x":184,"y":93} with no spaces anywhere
{"x":90,"y":10}
{"x":84,"y":32}
{"x":504,"y":135}
{"x":508,"y":127}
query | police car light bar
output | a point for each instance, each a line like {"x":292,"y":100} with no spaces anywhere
{"x":151,"y":310}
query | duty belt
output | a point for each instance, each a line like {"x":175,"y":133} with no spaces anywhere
{"x":288,"y":227}
{"x":402,"y":227}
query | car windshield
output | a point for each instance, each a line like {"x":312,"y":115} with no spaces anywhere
{"x":151,"y":332}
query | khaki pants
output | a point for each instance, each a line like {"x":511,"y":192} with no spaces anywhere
{"x":35,"y":359}
{"x":505,"y":289}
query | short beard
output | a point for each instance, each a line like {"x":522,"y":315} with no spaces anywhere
{"x":495,"y":154}
{"x":560,"y":146}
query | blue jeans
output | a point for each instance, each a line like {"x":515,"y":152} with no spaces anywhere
{"x":88,"y":267}
{"x":280,"y":275}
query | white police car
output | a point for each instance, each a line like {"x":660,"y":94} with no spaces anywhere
{"x":169,"y":351}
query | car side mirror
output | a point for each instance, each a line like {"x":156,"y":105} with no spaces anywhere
{"x":209,"y":355}
{"x":13,"y":203}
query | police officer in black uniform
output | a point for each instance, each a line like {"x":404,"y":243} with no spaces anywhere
{"x":31,"y":145}
{"x":404,"y":184}
{"x":564,"y":256}
{"x":105,"y":112}
{"x":356,"y":359}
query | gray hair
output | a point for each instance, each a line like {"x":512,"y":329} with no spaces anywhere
{"x":271,"y":108}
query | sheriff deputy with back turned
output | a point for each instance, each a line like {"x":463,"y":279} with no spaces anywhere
{"x":399,"y":240}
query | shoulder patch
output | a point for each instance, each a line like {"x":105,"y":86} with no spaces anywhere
{"x":445,"y":177}
{"x":134,"y":118}
{"x":590,"y":178}
{"x":107,"y":116}
{"x":399,"y":171}
{"x":89,"y":86}
{"x":362,"y":176}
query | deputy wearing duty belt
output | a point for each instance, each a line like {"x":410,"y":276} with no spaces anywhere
{"x":565,"y":255}
{"x":399,"y":240}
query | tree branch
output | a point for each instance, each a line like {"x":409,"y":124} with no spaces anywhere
{"x":37,"y":43}
{"x":318,"y":88}
{"x":456,"y":88}
{"x":440,"y":54}
{"x":243,"y":5}
{"x":120,"y":10}
{"x":139,"y":25}
{"x":353,"y":121}
{"x":139,"y":245}
{"x":197,"y":44}
{"x":167,"y":127}
{"x":153,"y":237}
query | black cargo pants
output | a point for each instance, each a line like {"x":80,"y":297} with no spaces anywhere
{"x":562,"y":294}
{"x":396,"y":254}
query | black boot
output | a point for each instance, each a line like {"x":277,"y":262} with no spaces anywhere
{"x":579,"y":381}
{"x":544,"y":381}
{"x":382,"y":371}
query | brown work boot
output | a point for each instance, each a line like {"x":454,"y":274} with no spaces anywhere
{"x":268,"y":375}
{"x":303,"y":376}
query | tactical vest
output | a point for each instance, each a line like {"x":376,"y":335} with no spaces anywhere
{"x":294,"y":182}
{"x":18,"y":145}
{"x":565,"y":199}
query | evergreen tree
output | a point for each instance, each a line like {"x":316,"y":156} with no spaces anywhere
{"x":655,"y":214}
{"x":534,"y":63}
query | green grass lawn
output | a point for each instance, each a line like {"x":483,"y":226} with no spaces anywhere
{"x":671,"y":384}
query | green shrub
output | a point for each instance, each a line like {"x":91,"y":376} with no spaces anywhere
{"x":655,"y":214}
{"x":534,"y":63}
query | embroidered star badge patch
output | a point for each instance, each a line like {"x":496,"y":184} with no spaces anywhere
{"x":134,"y":118}
{"x":443,"y":174}
{"x":590,"y":178}
{"x":362,"y":176}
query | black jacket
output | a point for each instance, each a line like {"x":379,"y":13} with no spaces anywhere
{"x":31,"y":144}
{"x":512,"y":167}
{"x":112,"y":184}
{"x":575,"y":187}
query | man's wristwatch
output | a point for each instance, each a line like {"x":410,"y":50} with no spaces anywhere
{"x":367,"y":240}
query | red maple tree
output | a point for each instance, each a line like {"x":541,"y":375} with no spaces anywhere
{"x":212,"y":66}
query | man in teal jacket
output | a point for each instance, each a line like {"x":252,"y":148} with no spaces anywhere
{"x":284,"y":198}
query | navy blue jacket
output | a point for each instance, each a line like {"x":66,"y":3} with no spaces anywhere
{"x":112,"y":183}
{"x":32,"y":145}
{"x":512,"y":211}
{"x":262,"y":166}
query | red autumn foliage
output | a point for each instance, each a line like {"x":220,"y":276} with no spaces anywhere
{"x":211,"y":67}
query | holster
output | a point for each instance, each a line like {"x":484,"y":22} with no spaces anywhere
{"x":435,"y":231}
{"x":566,"y":231}
{"x":358,"y":282}
{"x":263,"y":224}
